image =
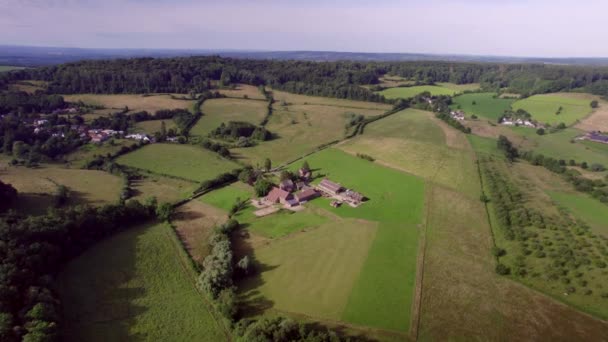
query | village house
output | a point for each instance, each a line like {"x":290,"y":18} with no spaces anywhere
{"x":277,"y":195}
{"x":457,"y":115}
{"x":307,"y":195}
{"x":138,"y":136}
{"x":330,"y":187}
{"x":597,"y":137}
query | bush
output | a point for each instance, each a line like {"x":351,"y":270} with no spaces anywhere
{"x":502,"y":269}
{"x":595,"y":167}
{"x":498,"y":252}
{"x":540,"y":131}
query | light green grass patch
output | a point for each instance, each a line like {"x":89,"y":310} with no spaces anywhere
{"x":381,"y":297}
{"x":184,"y":161}
{"x":409,"y":92}
{"x":544,"y":108}
{"x":152,"y":126}
{"x":586,"y":208}
{"x":484,"y":145}
{"x":225,"y":197}
{"x":459,"y":88}
{"x":136,"y":285}
{"x":486,"y":105}
{"x":4,"y":68}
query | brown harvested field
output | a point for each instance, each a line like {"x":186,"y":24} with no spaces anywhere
{"x":464,"y":299}
{"x":150,"y":103}
{"x":165,"y":189}
{"x":37,"y":187}
{"x":241,"y":90}
{"x":295,"y":99}
{"x":597,"y":121}
{"x":194,"y":223}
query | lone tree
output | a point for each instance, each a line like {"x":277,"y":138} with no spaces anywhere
{"x":267,"y":164}
{"x":305,"y":166}
{"x":262,"y":187}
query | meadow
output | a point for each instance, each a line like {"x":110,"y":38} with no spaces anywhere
{"x":409,"y":92}
{"x":297,"y":99}
{"x":586,"y":208}
{"x":4,"y":68}
{"x":300,"y":129}
{"x":135,"y":285}
{"x":87,"y":152}
{"x":282,"y":223}
{"x":459,"y":88}
{"x":152,"y":126}
{"x":242,"y":91}
{"x":183,"y":161}
{"x":412,"y":141}
{"x":225,"y":197}
{"x":544,"y":108}
{"x":486,"y":105}
{"x":37,"y":186}
{"x":150,"y":103}
{"x":217,"y":111}
{"x":165,"y":189}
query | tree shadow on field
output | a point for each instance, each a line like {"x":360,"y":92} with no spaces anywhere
{"x":99,"y":290}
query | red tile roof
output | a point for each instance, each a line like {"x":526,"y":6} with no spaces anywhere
{"x":276,"y":194}
{"x":306,"y":195}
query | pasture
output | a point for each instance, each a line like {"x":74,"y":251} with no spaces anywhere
{"x":150,"y":103}
{"x":183,"y":161}
{"x":282,"y":223}
{"x":165,"y":189}
{"x":85,"y":153}
{"x":152,"y":126}
{"x":225,"y":197}
{"x":459,"y":88}
{"x":297,"y":99}
{"x":135,"y":285}
{"x":216,"y":111}
{"x":545,"y":108}
{"x":5,"y":68}
{"x":412,"y":141}
{"x":486,"y":105}
{"x":300,"y":129}
{"x":37,"y":187}
{"x":586,"y":208}
{"x":409,"y":92}
{"x":243,"y":90}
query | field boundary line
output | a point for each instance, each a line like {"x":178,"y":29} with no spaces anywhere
{"x":190,"y":272}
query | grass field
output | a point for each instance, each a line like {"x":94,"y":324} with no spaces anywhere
{"x":85,"y":153}
{"x":296,"y":99}
{"x":282,"y":223}
{"x":459,"y":88}
{"x":165,"y":189}
{"x":484,"y":145}
{"x":486,"y":106}
{"x":588,"y":209}
{"x":301,"y":129}
{"x":242,"y":90}
{"x":37,"y":187}
{"x":413,"y":142}
{"x":136,"y":285}
{"x":225,"y":197}
{"x":216,"y":111}
{"x":185,"y":161}
{"x":150,"y":103}
{"x":152,"y":126}
{"x":4,"y":68}
{"x":409,"y":92}
{"x":544,"y":108}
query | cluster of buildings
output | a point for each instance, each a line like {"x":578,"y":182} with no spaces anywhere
{"x":457,"y":115}
{"x":518,"y":122}
{"x":101,"y":135}
{"x":291,"y":195}
{"x":595,"y":136}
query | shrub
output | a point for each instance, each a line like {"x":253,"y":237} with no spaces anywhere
{"x":540,"y":131}
{"x":498,"y":252}
{"x":595,"y":167}
{"x":502,"y":269}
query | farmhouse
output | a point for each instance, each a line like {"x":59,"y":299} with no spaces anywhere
{"x":457,"y":115}
{"x":287,"y":185}
{"x":307,"y":195}
{"x":330,"y":187}
{"x":277,"y":195}
{"x":597,"y":137}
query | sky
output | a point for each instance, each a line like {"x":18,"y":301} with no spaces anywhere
{"x":540,"y":28}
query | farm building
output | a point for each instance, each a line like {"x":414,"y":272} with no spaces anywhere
{"x":287,"y":185}
{"x":305,"y":174}
{"x":457,"y":115}
{"x":277,"y":195}
{"x":330,"y":187}
{"x":598,"y":137}
{"x":307,"y":195}
{"x":353,"y":197}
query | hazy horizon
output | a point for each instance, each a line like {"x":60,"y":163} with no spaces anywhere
{"x":514,"y":28}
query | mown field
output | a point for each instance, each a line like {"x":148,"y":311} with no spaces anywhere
{"x":301,"y":128}
{"x":544,"y":108}
{"x":150,"y":103}
{"x":184,"y":161}
{"x":485,"y":105}
{"x":409,"y":92}
{"x":242,"y":91}
{"x":37,"y":187}
{"x":586,"y":208}
{"x":216,"y":111}
{"x":412,"y":141}
{"x":136,"y":285}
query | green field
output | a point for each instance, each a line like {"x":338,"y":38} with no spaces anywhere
{"x":459,"y":87}
{"x":560,"y":145}
{"x":136,"y":285}
{"x":588,"y":209}
{"x":85,"y":153}
{"x":282,"y":223}
{"x":4,"y":68}
{"x":484,"y":145}
{"x":486,"y":106}
{"x":409,"y":92}
{"x":184,"y":161}
{"x":225,"y":197}
{"x":152,"y":126}
{"x":544,"y":108}
{"x":411,"y":141}
{"x":216,"y":111}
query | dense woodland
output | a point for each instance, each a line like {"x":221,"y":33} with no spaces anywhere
{"x":333,"y":79}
